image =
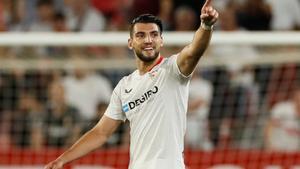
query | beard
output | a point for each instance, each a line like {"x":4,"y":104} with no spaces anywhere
{"x":144,"y":58}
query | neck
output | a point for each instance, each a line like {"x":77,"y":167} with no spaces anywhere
{"x":145,"y":67}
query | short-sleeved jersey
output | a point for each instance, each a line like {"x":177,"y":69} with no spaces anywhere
{"x":155,"y":105}
{"x":285,"y":134}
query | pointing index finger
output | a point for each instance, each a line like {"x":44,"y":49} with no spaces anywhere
{"x":207,"y":3}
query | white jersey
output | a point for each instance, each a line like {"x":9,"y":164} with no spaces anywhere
{"x":285,"y":135}
{"x":155,"y":105}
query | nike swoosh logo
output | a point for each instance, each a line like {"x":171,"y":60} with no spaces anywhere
{"x":128,"y":91}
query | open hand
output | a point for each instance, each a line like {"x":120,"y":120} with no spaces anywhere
{"x":57,"y":164}
{"x":209,"y":15}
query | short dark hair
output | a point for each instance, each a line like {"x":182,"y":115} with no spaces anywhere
{"x":146,"y":18}
{"x":59,"y":16}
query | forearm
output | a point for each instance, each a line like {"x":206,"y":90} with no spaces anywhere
{"x":191,"y":54}
{"x":87,"y":143}
{"x":202,"y":36}
{"x":200,"y":42}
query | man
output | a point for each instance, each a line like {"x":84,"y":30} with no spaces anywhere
{"x":282,"y":132}
{"x":197,"y":126}
{"x":153,"y":98}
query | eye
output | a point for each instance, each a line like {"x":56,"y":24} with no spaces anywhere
{"x":140,"y":35}
{"x":154,"y":34}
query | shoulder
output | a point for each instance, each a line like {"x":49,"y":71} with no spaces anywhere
{"x":283,"y":105}
{"x":172,"y":64}
{"x":170,"y":59}
{"x":283,"y":108}
{"x":168,"y":62}
{"x":128,"y":78}
{"x":125,"y":80}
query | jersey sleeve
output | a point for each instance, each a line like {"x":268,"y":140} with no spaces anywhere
{"x":114,"y":109}
{"x":175,"y":69}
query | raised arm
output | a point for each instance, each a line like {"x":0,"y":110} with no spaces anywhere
{"x":90,"y":141}
{"x":190,"y":55}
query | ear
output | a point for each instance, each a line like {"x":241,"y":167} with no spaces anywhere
{"x":130,"y":44}
{"x":162,"y":42}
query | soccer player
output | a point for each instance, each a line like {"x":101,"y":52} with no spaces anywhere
{"x":153,"y":98}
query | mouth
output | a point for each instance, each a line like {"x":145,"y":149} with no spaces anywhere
{"x":148,"y":49}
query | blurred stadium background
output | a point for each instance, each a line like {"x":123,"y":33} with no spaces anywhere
{"x":60,"y":60}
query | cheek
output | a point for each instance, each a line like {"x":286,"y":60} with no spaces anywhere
{"x":135,"y":44}
{"x":159,"y":44}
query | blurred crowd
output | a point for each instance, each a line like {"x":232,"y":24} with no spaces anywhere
{"x":234,"y":106}
{"x":52,"y":108}
{"x":115,"y":15}
{"x":177,"y":15}
{"x":255,"y":107}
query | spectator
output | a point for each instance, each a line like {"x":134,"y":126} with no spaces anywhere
{"x":161,"y":8}
{"x":228,"y":52}
{"x":82,"y":17}
{"x":254,"y":15}
{"x":39,"y":80}
{"x":283,"y":128}
{"x":109,"y":8}
{"x":31,"y":8}
{"x":5,"y":125}
{"x":200,"y":95}
{"x":237,"y":89}
{"x":17,"y":16}
{"x":59,"y":25}
{"x":59,"y":22}
{"x":242,"y":103}
{"x":42,"y":23}
{"x":45,"y":14}
{"x":4,"y":15}
{"x":185,"y":19}
{"x":85,"y":89}
{"x":280,"y":82}
{"x":27,"y":122}
{"x":11,"y":83}
{"x":139,"y":7}
{"x":195,"y":5}
{"x":61,"y":120}
{"x":285,"y":14}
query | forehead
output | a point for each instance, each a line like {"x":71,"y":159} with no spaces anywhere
{"x":145,"y":27}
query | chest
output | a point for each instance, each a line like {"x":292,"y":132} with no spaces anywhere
{"x":141,"y":92}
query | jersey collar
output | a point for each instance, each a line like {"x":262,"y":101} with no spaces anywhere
{"x":157,"y":63}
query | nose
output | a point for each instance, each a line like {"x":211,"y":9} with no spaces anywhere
{"x":148,"y":39}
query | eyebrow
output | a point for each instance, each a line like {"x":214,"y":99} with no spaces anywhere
{"x":155,"y":31}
